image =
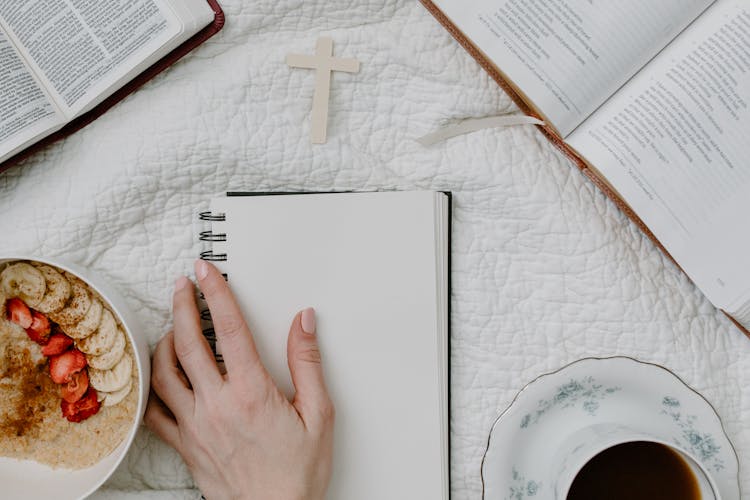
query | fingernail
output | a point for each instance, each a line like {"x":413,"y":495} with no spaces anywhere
{"x":201,"y":269}
{"x":308,"y":321}
{"x":181,"y":283}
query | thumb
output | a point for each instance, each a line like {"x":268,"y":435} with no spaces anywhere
{"x":303,"y":354}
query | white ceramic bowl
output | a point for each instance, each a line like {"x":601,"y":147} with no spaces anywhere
{"x":31,"y":480}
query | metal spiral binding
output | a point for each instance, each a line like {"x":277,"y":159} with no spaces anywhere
{"x":211,"y":236}
{"x":212,"y":217}
{"x":210,"y":335}
{"x":209,"y":255}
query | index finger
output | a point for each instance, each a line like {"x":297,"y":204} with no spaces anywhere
{"x":190,"y":346}
{"x":232,"y":333}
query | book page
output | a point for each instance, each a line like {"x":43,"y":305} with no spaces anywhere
{"x":80,"y":47}
{"x":675,"y":143}
{"x":26,"y":111}
{"x":569,"y":56}
{"x":194,"y":14}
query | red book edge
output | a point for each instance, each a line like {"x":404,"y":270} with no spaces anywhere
{"x":552,"y":135}
{"x":133,"y":85}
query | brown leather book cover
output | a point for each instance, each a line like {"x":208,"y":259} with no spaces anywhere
{"x":129,"y":88}
{"x":547,"y":130}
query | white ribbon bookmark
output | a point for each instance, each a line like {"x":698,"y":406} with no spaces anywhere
{"x":473,"y":124}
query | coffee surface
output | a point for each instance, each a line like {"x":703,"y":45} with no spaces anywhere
{"x":642,"y":470}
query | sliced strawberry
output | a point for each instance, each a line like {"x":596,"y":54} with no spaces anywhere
{"x":58,"y":344}
{"x":40,"y":328}
{"x":63,"y":366}
{"x":39,"y":339}
{"x":82,"y":409}
{"x":76,"y":388}
{"x":19,"y":313}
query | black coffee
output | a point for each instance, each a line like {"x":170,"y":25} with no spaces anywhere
{"x":638,"y":470}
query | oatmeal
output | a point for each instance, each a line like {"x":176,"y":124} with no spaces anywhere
{"x":67,"y":373}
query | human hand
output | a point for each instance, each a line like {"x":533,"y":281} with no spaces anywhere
{"x":238,"y":434}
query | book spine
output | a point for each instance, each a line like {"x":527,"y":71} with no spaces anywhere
{"x":208,"y":237}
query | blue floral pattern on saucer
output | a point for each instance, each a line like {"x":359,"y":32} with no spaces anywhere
{"x":521,"y":488}
{"x":585,"y":391}
{"x":701,"y":444}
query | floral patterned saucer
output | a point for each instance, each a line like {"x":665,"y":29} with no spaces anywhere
{"x":523,"y":456}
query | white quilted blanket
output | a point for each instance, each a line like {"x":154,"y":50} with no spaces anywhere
{"x":545,"y":271}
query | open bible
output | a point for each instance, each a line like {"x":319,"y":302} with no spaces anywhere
{"x":651,"y":100}
{"x":64,"y":62}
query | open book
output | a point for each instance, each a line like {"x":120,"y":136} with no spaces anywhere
{"x":652,"y":101}
{"x":375,"y":267}
{"x":60,"y":59}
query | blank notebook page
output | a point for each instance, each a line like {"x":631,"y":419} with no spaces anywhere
{"x":370,"y":264}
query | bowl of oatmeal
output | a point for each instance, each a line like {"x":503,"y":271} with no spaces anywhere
{"x":74,"y":379}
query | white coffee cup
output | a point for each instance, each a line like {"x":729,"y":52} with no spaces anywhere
{"x":563,"y":419}
{"x":582,"y":446}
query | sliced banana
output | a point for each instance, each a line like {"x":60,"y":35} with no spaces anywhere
{"x":114,"y":379}
{"x":89,"y":324}
{"x":100,"y":341}
{"x":76,"y":307}
{"x":110,"y":358}
{"x":113,"y":398}
{"x":57,"y":293}
{"x":24,"y":281}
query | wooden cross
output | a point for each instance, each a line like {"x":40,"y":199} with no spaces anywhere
{"x":324,"y":62}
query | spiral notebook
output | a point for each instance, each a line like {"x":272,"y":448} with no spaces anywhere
{"x":376,"y":268}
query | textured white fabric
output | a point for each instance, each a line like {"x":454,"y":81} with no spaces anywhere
{"x":546,"y":270}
